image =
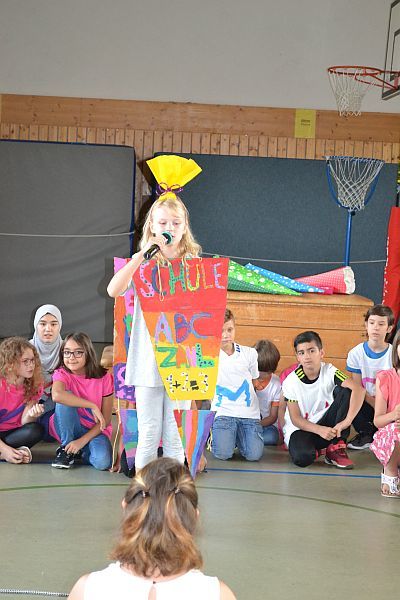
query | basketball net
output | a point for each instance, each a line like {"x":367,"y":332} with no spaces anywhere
{"x":352,"y":181}
{"x":351,"y":83}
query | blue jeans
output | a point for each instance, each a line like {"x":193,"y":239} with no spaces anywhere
{"x":97,"y":452}
{"x":231,"y":432}
{"x":271,"y":435}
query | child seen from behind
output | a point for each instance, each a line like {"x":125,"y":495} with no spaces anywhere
{"x":156,"y":553}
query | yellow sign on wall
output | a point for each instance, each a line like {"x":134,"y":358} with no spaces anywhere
{"x":304,"y":124}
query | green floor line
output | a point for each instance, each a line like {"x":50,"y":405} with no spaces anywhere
{"x":205,"y":487}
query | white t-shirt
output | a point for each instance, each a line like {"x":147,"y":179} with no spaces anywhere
{"x":235,"y":395}
{"x":115,"y":582}
{"x":367,"y":363}
{"x":141,"y":365}
{"x":269,"y":396}
{"x":313,"y":398}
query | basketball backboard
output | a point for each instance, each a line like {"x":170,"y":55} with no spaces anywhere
{"x":392,"y":59}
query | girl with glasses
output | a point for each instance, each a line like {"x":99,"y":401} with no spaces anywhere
{"x":83,"y":393}
{"x":21,"y":386}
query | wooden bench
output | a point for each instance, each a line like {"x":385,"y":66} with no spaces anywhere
{"x":339,"y":320}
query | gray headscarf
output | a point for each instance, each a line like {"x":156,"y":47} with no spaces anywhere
{"x":48,"y":351}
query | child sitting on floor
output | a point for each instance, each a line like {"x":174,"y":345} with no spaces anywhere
{"x":363,"y":362}
{"x":268,"y":390}
{"x":83,"y":393}
{"x":237,"y":420}
{"x":322,"y":403}
{"x":21,"y":385}
{"x":386,"y":443}
{"x":156,"y":555}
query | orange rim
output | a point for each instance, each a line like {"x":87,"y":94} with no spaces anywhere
{"x":368,"y":75}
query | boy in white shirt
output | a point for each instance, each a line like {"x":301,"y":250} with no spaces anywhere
{"x":268,"y":389}
{"x":322,"y":404}
{"x":363,"y":363}
{"x":237,"y":420}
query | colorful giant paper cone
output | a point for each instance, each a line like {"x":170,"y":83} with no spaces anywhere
{"x":285,"y":281}
{"x":246,"y":280}
{"x":129,"y":424}
{"x":194,"y":427}
{"x":123,"y":310}
{"x":183,"y":305}
{"x":341,"y":280}
{"x":173,"y":172}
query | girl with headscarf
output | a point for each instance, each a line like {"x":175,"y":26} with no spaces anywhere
{"x":47,"y":341}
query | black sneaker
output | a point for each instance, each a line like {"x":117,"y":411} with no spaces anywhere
{"x":63,"y":460}
{"x":361,"y":441}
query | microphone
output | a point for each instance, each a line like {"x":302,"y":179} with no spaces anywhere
{"x":152,"y":251}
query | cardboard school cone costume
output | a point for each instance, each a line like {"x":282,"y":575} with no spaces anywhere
{"x":183,"y":303}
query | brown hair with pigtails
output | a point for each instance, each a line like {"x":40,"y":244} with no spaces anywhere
{"x":11,"y":351}
{"x":160,"y":519}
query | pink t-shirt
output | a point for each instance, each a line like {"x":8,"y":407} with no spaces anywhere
{"x":12,"y":404}
{"x":389,"y":382}
{"x":91,"y":389}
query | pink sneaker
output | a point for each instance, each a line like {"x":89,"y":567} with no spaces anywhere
{"x":336,"y":455}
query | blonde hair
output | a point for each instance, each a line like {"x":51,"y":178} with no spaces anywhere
{"x":159,"y":521}
{"x":11,"y":351}
{"x":188,"y":244}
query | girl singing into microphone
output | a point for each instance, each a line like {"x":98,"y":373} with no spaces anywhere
{"x":154,"y":408}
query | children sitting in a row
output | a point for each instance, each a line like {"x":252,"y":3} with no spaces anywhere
{"x":82,"y":391}
{"x":322,"y":402}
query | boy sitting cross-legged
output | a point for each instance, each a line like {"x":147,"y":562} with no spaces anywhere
{"x":322,"y":404}
{"x":237,"y":420}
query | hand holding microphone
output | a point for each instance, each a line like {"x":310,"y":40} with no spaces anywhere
{"x":154,"y":248}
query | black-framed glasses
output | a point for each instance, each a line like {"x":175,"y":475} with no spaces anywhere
{"x":74,"y":353}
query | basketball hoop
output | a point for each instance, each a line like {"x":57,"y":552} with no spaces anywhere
{"x":352,"y":181}
{"x":351,"y":83}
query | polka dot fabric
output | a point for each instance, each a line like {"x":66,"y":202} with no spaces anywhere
{"x":285,"y":281}
{"x":340,"y":281}
{"x":246,"y":280}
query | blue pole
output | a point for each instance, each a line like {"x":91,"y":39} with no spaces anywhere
{"x":348,"y":238}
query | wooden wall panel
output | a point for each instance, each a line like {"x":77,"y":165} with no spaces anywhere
{"x":201,"y":118}
{"x":152,"y":127}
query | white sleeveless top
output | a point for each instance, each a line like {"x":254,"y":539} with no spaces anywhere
{"x":114,"y":582}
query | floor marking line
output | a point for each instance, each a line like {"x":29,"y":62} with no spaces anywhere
{"x":270,"y":471}
{"x":335,"y":502}
{"x":220,"y":489}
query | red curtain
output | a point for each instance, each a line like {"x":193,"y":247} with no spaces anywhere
{"x":391,"y":281}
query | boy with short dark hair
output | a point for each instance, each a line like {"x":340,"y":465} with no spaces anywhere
{"x":268,"y":389}
{"x":363,"y":363}
{"x":322,"y":403}
{"x":237,"y":420}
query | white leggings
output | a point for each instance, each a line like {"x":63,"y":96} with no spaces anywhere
{"x":156,"y":421}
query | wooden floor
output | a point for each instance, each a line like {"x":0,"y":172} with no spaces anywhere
{"x":269,"y":529}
